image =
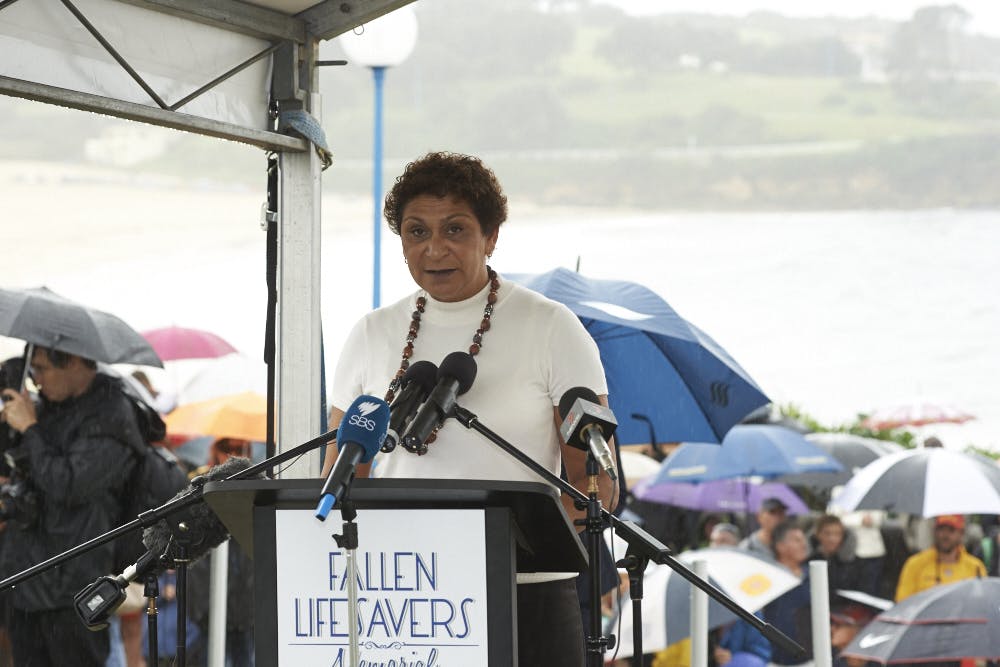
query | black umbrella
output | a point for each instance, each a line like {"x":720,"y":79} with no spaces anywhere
{"x":925,"y":482}
{"x":946,"y":622}
{"x":42,"y":317}
{"x":851,"y":451}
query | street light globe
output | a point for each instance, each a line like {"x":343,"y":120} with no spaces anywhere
{"x":385,"y":42}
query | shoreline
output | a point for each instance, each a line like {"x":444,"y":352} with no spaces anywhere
{"x":769,"y":287}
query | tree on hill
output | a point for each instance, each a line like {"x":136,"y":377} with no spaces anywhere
{"x":923,"y":48}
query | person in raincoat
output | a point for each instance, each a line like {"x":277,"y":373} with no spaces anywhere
{"x":76,"y":454}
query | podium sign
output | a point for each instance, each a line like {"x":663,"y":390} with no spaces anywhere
{"x":437,"y":559}
{"x":422,"y":596}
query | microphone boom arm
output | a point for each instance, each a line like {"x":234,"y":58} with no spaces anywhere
{"x":642,"y":545}
{"x":149,"y":517}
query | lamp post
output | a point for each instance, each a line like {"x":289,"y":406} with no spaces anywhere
{"x":383,"y":43}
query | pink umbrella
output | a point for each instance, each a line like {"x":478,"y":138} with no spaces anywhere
{"x":173,"y":343}
{"x":918,"y":413}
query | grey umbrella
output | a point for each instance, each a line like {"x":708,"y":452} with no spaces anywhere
{"x":947,"y":622}
{"x":42,"y":317}
{"x":851,"y":451}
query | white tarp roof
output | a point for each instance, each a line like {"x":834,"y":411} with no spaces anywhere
{"x":177,"y":48}
{"x":42,"y":42}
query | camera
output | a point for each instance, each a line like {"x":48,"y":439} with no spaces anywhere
{"x":18,"y":498}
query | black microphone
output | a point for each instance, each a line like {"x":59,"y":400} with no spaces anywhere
{"x":588,"y":425}
{"x":361,"y":433}
{"x":416,"y":383}
{"x":196,"y":528}
{"x":455,"y":377}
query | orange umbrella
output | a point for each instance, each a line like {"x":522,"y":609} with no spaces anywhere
{"x":242,"y":416}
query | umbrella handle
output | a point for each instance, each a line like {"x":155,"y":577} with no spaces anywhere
{"x":658,"y":453}
{"x":29,"y":352}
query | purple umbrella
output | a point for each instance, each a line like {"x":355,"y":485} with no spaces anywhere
{"x":722,"y":495}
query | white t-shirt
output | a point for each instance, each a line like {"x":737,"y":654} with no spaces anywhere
{"x":535,"y":350}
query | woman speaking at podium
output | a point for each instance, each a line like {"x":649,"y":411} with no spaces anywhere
{"x":447,"y":209}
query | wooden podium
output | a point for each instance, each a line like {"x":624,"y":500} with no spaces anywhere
{"x":436,"y":566}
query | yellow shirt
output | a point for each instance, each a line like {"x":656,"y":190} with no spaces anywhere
{"x":675,"y":655}
{"x":922,"y":571}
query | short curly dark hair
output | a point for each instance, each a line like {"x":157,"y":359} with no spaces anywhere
{"x":444,"y":174}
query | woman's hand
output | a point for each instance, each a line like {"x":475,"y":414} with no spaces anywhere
{"x":360,"y":471}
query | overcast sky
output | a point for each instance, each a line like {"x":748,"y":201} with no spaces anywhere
{"x":985,"y":13}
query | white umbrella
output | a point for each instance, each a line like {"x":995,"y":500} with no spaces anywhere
{"x":205,"y":379}
{"x":925,"y":482}
{"x":750,"y":580}
{"x":637,"y":467}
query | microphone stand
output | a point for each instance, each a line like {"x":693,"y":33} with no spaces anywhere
{"x":349,"y":542}
{"x":597,"y":642}
{"x":642,"y":548}
{"x":152,"y":591}
{"x":180,"y":656}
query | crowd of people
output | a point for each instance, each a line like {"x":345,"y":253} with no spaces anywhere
{"x":872,"y":562}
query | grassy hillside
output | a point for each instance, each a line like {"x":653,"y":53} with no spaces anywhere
{"x":591,"y":106}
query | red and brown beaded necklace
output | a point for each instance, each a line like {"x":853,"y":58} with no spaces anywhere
{"x":411,"y":336}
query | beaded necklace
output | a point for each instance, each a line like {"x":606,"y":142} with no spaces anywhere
{"x":411,"y":336}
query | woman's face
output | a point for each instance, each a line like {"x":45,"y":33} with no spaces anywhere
{"x":794,"y":548}
{"x":445,"y":247}
{"x":830,"y":537}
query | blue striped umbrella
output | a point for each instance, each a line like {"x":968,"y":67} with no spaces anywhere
{"x":748,"y":450}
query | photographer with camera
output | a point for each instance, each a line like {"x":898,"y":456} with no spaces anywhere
{"x":74,"y":457}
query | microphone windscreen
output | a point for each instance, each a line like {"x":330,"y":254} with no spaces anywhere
{"x":202,"y":530}
{"x":424,"y":373}
{"x":462,"y":367}
{"x":365,"y":424}
{"x":571,"y":396}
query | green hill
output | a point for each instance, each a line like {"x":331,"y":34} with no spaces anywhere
{"x":584,"y":105}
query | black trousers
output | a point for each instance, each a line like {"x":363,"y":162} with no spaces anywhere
{"x":55,"y":639}
{"x":549,"y":630}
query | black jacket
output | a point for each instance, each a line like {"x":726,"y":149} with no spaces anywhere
{"x":845,"y":570}
{"x":80,"y":454}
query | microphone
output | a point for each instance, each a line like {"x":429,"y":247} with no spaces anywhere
{"x":416,"y":383}
{"x":95,"y":603}
{"x":196,"y":527}
{"x":588,"y":425}
{"x":455,"y":377}
{"x":361,"y":433}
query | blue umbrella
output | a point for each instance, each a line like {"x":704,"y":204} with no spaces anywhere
{"x":676,"y":382}
{"x":748,"y":450}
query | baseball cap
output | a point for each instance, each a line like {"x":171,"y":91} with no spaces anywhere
{"x":771,"y":504}
{"x":956,"y":521}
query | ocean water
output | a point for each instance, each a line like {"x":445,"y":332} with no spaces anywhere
{"x":836,"y":312}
